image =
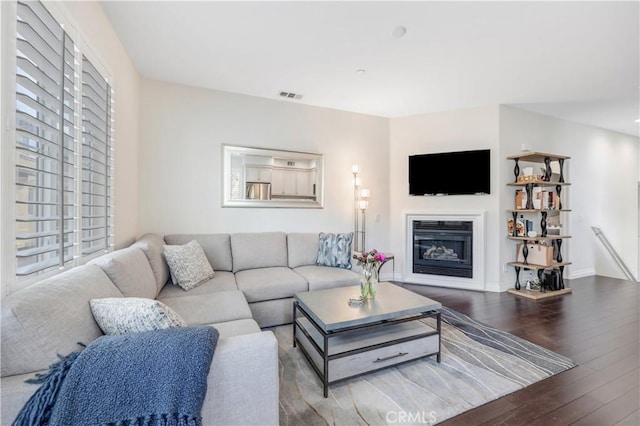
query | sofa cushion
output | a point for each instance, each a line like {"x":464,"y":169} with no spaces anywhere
{"x":243,"y":382}
{"x":219,"y":307}
{"x":274,"y":312}
{"x":130,"y":271}
{"x":335,"y":250}
{"x":302,"y":249}
{"x":236,"y":328}
{"x":50,"y":318}
{"x":125,"y":315}
{"x":258,"y":250}
{"x":270,"y":283}
{"x":321,"y":277}
{"x":15,"y":393}
{"x":153,"y":247}
{"x":217,"y":248}
{"x":188,"y":265}
{"x":221,"y":281}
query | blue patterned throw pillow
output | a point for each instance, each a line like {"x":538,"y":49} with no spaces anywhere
{"x":335,"y":250}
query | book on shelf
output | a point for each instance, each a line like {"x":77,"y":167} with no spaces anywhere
{"x":521,"y":199}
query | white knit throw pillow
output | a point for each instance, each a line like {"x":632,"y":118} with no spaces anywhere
{"x":124,"y":315}
{"x":188,"y":265}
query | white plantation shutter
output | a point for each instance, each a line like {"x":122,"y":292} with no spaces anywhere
{"x":63,"y":185}
{"x":96,"y":160}
{"x":45,"y":175}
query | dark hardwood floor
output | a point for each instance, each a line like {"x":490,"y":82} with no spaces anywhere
{"x":597,"y":326}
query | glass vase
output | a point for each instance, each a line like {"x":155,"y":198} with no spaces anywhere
{"x":369,"y":283}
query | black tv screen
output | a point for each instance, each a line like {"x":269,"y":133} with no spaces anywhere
{"x":450,"y":173}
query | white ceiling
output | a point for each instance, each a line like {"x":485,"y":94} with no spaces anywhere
{"x":574,"y":60}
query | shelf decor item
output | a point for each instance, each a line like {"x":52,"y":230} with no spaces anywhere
{"x":537,"y":254}
{"x":370,"y":262}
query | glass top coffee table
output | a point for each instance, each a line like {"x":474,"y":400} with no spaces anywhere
{"x":340,"y":340}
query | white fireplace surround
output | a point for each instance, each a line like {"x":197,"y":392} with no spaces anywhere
{"x":478,"y":280}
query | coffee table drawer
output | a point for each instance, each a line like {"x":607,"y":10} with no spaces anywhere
{"x":359,"y":353}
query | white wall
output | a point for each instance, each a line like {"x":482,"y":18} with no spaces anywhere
{"x":183,"y":128}
{"x":467,"y":129}
{"x":88,"y":18}
{"x":603,"y":171}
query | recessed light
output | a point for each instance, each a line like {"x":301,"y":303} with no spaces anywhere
{"x":399,"y":31}
{"x":361,"y":71}
{"x":638,"y":120}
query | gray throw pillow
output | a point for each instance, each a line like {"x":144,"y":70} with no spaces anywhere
{"x":188,"y":265}
{"x":124,"y":315}
{"x":335,"y":250}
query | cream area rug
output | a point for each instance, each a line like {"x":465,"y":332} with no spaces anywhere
{"x":479,"y":364}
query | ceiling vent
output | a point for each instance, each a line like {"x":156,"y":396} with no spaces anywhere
{"x":290,"y":95}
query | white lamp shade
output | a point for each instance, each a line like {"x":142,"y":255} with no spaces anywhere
{"x":363,"y":204}
{"x":355,"y":168}
{"x":364,"y":193}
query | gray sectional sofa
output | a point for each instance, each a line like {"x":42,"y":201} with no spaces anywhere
{"x":256,"y":276}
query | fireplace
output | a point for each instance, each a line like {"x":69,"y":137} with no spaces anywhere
{"x":443,"y":247}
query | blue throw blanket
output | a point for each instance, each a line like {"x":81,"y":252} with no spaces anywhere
{"x":153,"y":378}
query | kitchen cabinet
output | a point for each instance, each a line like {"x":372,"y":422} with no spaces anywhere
{"x":258,"y":174}
{"x":292,"y":182}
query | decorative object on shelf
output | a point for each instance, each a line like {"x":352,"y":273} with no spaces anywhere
{"x":360,"y":205}
{"x":370,"y":262}
{"x":520,"y":226}
{"x":537,"y":254}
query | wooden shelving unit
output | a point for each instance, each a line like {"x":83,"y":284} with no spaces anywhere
{"x":537,"y":210}
{"x":538,"y":183}
{"x":547,"y":238}
{"x":534,"y":267}
{"x":556,"y":240}
{"x":537,"y":295}
{"x":537,"y":157}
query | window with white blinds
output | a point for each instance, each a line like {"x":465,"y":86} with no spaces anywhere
{"x":96,"y":160}
{"x":63,"y":147}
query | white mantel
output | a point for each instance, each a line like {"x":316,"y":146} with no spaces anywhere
{"x":478,"y":219}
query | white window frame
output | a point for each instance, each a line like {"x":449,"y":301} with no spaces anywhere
{"x":8,"y":264}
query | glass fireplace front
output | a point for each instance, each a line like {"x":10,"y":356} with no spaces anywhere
{"x":443,"y":248}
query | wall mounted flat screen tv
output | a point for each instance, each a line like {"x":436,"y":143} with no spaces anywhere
{"x":450,"y":173}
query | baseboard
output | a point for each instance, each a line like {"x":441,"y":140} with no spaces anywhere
{"x":581,"y":273}
{"x":492,"y":287}
{"x":506,"y":286}
{"x":497,"y":287}
{"x":389,"y":276}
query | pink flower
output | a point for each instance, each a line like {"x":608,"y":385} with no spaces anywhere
{"x":370,"y":259}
